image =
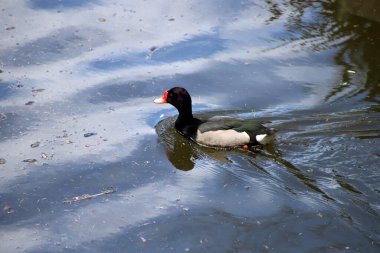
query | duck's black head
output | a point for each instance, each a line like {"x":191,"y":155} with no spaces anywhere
{"x":185,"y":123}
{"x":178,"y":97}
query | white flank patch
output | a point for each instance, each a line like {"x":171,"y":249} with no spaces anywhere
{"x":264,"y":138}
{"x":222,"y":138}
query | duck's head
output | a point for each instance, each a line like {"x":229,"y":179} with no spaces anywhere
{"x":178,"y":97}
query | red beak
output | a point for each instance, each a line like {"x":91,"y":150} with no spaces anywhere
{"x":162,"y":100}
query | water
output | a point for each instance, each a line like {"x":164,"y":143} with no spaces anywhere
{"x":308,"y":68}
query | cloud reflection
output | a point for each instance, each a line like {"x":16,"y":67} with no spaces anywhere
{"x":99,"y":221}
{"x":85,"y":49}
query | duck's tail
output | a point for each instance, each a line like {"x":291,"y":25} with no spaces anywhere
{"x":266,"y":138}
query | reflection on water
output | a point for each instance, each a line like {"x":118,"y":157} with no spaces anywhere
{"x":309,"y":67}
{"x":65,"y":43}
{"x":59,"y":4}
{"x":191,"y":49}
{"x":179,"y":151}
{"x":183,"y":153}
{"x":348,"y":28}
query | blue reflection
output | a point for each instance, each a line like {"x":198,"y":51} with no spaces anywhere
{"x":120,"y":61}
{"x":64,"y":43}
{"x":54,"y":4}
{"x":198,"y":47}
{"x":5,"y":90}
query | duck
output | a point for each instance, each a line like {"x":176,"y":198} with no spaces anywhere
{"x":215,"y":131}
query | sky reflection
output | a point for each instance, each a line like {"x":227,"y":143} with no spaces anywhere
{"x":95,"y":66}
{"x":136,"y":207}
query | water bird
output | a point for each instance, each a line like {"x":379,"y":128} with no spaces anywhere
{"x":218,"y":131}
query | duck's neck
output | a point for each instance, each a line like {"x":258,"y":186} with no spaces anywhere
{"x":185,"y":115}
{"x":186,"y":123}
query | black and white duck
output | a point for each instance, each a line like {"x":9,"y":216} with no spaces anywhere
{"x":219,"y":131}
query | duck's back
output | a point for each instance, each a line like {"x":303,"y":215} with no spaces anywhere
{"x":226,"y":131}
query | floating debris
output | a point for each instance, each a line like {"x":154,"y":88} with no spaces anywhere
{"x":101,"y":20}
{"x":34,"y":145}
{"x":29,"y":160}
{"x":29,"y":103}
{"x":142,"y":239}
{"x":154,"y":48}
{"x":44,"y":155}
{"x":344,"y":84}
{"x":89,"y":134}
{"x":92,"y":145}
{"x":3,"y":116}
{"x":10,"y":28}
{"x":351,"y":71}
{"x":8,"y":209}
{"x":171,"y":19}
{"x":2,"y":161}
{"x":89,"y":196}
{"x":38,"y":90}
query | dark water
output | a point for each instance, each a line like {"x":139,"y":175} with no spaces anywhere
{"x":310,"y":68}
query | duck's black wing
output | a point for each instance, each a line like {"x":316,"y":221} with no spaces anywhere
{"x":240,"y":125}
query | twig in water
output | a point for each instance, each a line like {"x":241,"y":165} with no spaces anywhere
{"x":89,"y":196}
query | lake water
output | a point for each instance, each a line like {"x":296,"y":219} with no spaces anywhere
{"x":70,"y":69}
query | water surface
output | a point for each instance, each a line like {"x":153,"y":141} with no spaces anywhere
{"x":308,"y":68}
